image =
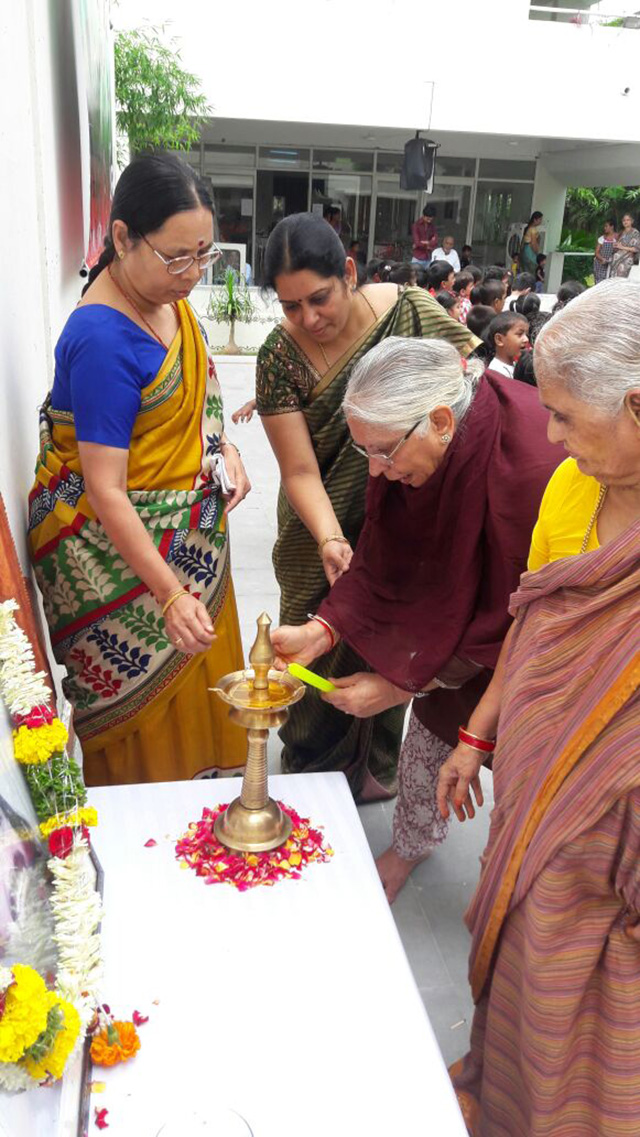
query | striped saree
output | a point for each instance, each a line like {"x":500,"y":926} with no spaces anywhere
{"x":317,"y":736}
{"x":142,"y":710}
{"x":555,"y":1046}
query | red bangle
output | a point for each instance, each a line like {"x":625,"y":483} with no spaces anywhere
{"x":333,"y":638}
{"x":485,"y":745}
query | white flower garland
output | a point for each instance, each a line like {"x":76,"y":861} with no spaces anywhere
{"x":21,"y":685}
{"x":76,"y":906}
{"x":77,"y":911}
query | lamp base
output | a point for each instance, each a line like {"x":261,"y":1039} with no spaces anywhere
{"x":252,"y":830}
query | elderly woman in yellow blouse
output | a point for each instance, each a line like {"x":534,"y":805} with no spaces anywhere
{"x":555,"y":920}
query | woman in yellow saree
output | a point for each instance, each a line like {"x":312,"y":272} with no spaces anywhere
{"x":127,"y":522}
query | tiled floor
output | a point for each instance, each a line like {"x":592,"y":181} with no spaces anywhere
{"x":429,"y":911}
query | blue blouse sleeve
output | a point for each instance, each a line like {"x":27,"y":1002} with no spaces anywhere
{"x":102,"y":365}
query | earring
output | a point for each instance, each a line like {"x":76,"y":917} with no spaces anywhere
{"x":444,"y":438}
{"x":121,"y":254}
{"x":354,"y":288}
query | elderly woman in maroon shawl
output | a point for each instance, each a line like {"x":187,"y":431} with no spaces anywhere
{"x":458,"y":466}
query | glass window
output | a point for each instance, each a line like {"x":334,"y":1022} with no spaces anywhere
{"x":498,"y":206}
{"x":389,"y":163}
{"x":351,"y":193}
{"x":451,"y":211}
{"x":233,"y":200}
{"x":283,"y":158}
{"x":504,"y":168}
{"x":396,"y":211}
{"x":278,"y":193}
{"x":455,"y":167}
{"x":342,"y":160}
{"x":222,"y":157}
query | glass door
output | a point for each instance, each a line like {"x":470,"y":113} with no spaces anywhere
{"x":278,"y":194}
{"x":395,"y":213}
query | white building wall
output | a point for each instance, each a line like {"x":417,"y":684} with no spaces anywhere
{"x":42,"y":240}
{"x":403,"y":63}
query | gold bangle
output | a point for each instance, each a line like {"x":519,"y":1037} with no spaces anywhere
{"x":333,"y":537}
{"x":171,"y":599}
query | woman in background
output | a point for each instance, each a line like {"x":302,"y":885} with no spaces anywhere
{"x":625,"y":249}
{"x":303,"y":368}
{"x":604,"y":251}
{"x":530,"y":245}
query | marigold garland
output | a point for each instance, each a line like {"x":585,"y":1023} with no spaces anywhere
{"x":34,"y":745}
{"x":76,"y":818}
{"x":25,"y":1001}
{"x":39,"y":1028}
{"x":50,"y":1065}
{"x":201,"y":851}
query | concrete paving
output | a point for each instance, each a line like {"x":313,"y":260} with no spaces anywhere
{"x":429,"y":912}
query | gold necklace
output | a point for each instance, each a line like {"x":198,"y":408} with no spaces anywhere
{"x":594,"y":517}
{"x":373,"y":312}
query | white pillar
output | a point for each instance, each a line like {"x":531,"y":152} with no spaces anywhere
{"x":549,"y":196}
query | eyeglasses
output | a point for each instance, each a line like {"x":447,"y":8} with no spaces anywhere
{"x":387,"y":459}
{"x":177,"y":265}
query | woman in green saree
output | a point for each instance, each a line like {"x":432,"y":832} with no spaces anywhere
{"x":302,"y":371}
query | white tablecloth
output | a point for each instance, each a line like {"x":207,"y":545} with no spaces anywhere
{"x":294,"y":1005}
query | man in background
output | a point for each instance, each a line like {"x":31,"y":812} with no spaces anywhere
{"x":446,"y":252}
{"x":425,"y":237}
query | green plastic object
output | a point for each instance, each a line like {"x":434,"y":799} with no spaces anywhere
{"x":310,"y":677}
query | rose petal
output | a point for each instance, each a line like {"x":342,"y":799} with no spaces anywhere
{"x":150,"y":843}
{"x":101,"y":1121}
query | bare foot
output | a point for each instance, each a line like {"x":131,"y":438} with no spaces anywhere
{"x":395,"y":871}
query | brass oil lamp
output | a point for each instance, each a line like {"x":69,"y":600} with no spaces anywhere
{"x":259,"y":698}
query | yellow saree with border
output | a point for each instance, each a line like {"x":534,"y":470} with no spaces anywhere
{"x":142,"y":710}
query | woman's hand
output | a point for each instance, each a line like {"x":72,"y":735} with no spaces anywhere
{"x":237,"y":475}
{"x":189,"y":625}
{"x":244,"y":413}
{"x":363,"y":695}
{"x":336,"y":558}
{"x":458,"y":776}
{"x":301,"y":644}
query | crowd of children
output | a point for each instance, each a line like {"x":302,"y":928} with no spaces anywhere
{"x":501,"y":310}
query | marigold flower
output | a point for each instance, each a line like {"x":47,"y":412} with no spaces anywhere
{"x":24,"y":1015}
{"x":118,"y":1042}
{"x":76,"y":818}
{"x":35,"y":745}
{"x":51,"y":1065}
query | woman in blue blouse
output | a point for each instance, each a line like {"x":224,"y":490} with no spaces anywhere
{"x":128,"y":526}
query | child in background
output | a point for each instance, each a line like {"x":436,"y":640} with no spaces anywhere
{"x":491,"y":293}
{"x":478,"y":322}
{"x":441,"y":277}
{"x":507,"y":337}
{"x":462,"y":285}
{"x":451,"y":304}
{"x":523,"y":370}
{"x":541,"y":262}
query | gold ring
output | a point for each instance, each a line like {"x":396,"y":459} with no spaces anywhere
{"x":178,"y":640}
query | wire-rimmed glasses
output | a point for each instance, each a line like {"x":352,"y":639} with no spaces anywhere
{"x":387,"y":459}
{"x":175,"y":266}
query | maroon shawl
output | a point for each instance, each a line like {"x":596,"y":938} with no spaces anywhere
{"x":434,"y":567}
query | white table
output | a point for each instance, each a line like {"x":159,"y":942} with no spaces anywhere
{"x":294,"y":1005}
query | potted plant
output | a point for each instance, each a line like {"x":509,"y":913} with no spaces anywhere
{"x":229,"y":302}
